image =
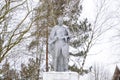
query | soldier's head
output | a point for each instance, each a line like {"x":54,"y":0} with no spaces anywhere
{"x":60,"y":21}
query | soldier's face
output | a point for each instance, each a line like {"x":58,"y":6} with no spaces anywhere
{"x":60,"y":21}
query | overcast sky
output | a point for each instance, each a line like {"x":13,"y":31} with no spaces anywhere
{"x":106,"y":50}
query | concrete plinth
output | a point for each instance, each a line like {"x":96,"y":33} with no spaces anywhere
{"x":60,"y":76}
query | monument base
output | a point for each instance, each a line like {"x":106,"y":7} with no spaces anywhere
{"x":60,"y":76}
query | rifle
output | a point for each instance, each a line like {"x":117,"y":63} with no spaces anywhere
{"x":57,"y":38}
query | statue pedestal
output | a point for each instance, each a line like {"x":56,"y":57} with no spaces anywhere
{"x":60,"y":76}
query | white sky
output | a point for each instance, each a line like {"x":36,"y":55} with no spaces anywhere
{"x":106,"y":49}
{"x":36,"y":0}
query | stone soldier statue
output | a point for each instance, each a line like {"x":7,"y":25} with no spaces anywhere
{"x":59,"y":47}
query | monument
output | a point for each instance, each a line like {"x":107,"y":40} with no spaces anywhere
{"x":59,"y":49}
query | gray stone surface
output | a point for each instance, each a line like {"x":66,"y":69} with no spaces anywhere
{"x":59,"y":46}
{"x":60,"y":76}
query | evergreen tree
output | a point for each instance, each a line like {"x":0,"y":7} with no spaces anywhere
{"x":7,"y":73}
{"x":46,"y":15}
{"x":29,"y":71}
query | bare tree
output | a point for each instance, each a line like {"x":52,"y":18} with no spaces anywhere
{"x":10,"y":38}
{"x":99,"y":72}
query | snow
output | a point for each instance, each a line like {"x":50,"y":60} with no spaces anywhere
{"x":103,"y":52}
